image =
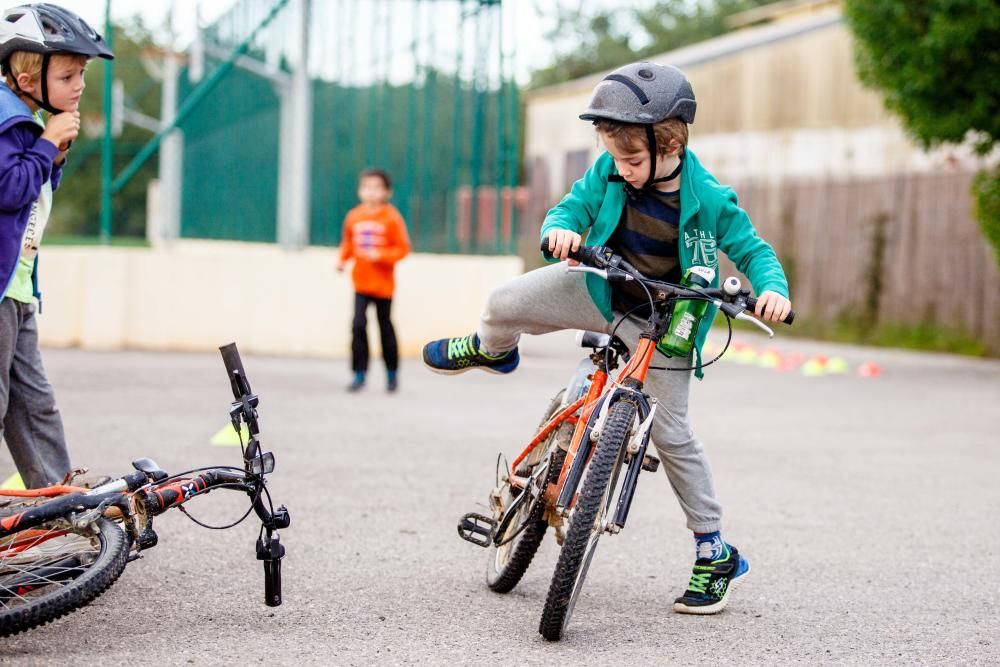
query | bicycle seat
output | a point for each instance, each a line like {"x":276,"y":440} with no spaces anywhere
{"x":148,"y":466}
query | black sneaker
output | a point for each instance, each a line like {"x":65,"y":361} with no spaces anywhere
{"x":711,"y":582}
{"x":457,"y":355}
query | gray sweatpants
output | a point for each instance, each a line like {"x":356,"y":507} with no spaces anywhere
{"x":31,"y":424}
{"x":549,"y":299}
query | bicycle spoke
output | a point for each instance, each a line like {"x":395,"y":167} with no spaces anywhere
{"x":35,"y":563}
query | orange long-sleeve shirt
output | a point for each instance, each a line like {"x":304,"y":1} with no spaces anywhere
{"x":375,"y":238}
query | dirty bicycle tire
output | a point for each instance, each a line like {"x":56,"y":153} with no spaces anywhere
{"x":586,"y":522}
{"x":508,"y":563}
{"x":59,"y":575}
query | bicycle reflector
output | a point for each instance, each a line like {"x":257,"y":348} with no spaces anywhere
{"x":263,"y":464}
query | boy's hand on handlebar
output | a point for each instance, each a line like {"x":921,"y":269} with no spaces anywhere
{"x":772,"y":307}
{"x":562,"y":241}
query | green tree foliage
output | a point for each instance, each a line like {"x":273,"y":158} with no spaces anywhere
{"x":938,"y":64}
{"x":77,"y":205}
{"x":591,"y":41}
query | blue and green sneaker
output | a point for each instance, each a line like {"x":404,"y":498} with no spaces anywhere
{"x":711,"y":582}
{"x":457,"y":355}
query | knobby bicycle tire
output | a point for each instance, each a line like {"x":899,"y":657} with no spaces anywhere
{"x":49,"y":605}
{"x":574,"y":558}
{"x":503,"y":579}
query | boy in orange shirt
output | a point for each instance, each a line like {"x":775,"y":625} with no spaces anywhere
{"x":375,"y":238}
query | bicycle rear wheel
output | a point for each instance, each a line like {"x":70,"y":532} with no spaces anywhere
{"x":47,"y":572}
{"x":587,"y":521}
{"x":508,"y":562}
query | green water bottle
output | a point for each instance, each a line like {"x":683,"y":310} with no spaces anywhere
{"x":679,"y":339}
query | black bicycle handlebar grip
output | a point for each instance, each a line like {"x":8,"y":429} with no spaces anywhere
{"x":234,"y":370}
{"x":584,"y":254}
{"x":752,"y":305}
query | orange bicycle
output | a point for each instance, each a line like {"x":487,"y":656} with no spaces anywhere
{"x":62,"y":546}
{"x":570,"y":474}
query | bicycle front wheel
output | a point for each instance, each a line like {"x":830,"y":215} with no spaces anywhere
{"x":47,"y":572}
{"x":587,"y":521}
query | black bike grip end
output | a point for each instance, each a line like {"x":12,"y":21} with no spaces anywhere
{"x":752,"y":307}
{"x":546,"y":253}
{"x":584,"y":254}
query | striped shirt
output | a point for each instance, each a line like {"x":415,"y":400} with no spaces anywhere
{"x":646,"y":237}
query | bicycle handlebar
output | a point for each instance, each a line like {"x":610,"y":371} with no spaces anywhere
{"x":603,"y":258}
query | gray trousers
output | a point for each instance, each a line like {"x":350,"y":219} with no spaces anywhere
{"x":549,"y":299}
{"x":31,"y":424}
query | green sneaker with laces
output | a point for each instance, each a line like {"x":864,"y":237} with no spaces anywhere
{"x":450,"y":356}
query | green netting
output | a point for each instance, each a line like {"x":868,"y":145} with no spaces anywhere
{"x":230,"y":162}
{"x":421,"y":88}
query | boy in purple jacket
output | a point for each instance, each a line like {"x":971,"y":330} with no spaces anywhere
{"x":44,"y":51}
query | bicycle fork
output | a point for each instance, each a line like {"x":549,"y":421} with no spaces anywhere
{"x":635,"y":455}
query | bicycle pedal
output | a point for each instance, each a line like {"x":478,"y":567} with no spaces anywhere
{"x":477,"y":529}
{"x":650,"y":463}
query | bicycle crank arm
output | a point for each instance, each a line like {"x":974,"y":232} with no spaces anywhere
{"x":477,"y":529}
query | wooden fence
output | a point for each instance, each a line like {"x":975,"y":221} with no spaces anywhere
{"x":902,"y":249}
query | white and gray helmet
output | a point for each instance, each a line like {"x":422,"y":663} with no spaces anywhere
{"x":642,"y":93}
{"x":47,"y":29}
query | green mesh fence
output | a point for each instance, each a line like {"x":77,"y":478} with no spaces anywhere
{"x":230,"y":162}
{"x":421,"y":88}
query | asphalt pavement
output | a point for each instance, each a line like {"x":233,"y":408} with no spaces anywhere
{"x":867,"y":507}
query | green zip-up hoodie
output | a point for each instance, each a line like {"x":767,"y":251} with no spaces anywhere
{"x":710,"y":220}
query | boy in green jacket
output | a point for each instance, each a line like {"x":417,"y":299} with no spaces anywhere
{"x":650,"y":200}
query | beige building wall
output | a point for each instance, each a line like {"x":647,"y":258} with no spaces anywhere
{"x":826,"y":173}
{"x":775,"y":102}
{"x":197,"y":295}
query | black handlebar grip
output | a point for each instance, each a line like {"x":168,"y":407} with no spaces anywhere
{"x":584,"y":254}
{"x":234,"y":369}
{"x":752,"y":305}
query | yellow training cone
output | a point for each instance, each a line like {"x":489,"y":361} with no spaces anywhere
{"x":813,"y":368}
{"x":770,"y":359}
{"x":837,"y":365}
{"x":13,"y":482}
{"x":227,"y":437}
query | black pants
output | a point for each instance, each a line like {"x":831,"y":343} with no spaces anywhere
{"x":359,"y":331}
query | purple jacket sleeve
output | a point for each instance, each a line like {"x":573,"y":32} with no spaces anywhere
{"x":25,"y":165}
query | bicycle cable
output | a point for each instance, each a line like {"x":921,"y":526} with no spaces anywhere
{"x":652,"y":304}
{"x":261,"y":488}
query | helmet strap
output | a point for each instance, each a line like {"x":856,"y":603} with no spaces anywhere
{"x":651,"y":141}
{"x":44,"y":102}
{"x":650,"y":180}
{"x":672,"y":175}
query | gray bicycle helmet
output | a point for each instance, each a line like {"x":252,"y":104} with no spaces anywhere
{"x":643,"y":93}
{"x":47,"y":29}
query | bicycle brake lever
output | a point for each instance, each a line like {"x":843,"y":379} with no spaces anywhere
{"x":603,"y":273}
{"x":612,"y":276}
{"x":760,"y":325}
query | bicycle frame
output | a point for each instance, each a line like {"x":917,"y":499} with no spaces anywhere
{"x":135,"y":498}
{"x":587,"y":413}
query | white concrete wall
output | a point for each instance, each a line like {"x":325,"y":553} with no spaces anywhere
{"x":197,"y":295}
